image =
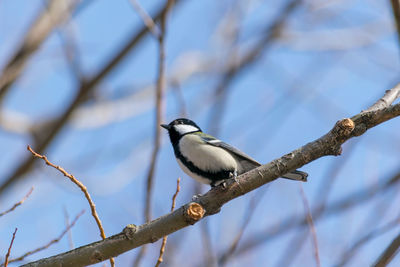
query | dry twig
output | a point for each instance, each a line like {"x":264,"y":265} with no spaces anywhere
{"x":83,"y":189}
{"x":18,"y":203}
{"x":164,"y":242}
{"x":9,"y":248}
{"x":311,"y":225}
{"x":22,"y":257}
{"x":159,"y":102}
{"x":66,"y":217}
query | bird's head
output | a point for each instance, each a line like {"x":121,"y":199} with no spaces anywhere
{"x":179,"y":127}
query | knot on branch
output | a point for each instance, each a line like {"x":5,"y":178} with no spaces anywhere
{"x":194,"y":212}
{"x":343,"y":128}
{"x":339,"y":134}
{"x":129,"y":231}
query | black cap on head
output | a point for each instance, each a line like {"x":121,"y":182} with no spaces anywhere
{"x":183,"y":121}
{"x":175,"y":133}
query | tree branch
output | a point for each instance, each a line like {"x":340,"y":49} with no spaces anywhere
{"x":9,"y":248}
{"x":18,"y":203}
{"x":210,"y":203}
{"x":396,"y":14}
{"x":85,"y":89}
{"x":389,"y":253}
{"x":55,"y":14}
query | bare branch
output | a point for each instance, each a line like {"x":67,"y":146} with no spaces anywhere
{"x":164,"y":242}
{"x":66,"y":217}
{"x":9,"y":248}
{"x":55,"y":14}
{"x":396,"y":14}
{"x":364,"y":239}
{"x":254,"y":201}
{"x":18,"y":203}
{"x":237,"y":66}
{"x":85,"y":89}
{"x":159,"y":102}
{"x":82,"y":187}
{"x":160,"y":88}
{"x":211,"y":202}
{"x":147,"y":20}
{"x":311,"y":225}
{"x":385,"y":101}
{"x":22,"y":257}
{"x":387,"y":255}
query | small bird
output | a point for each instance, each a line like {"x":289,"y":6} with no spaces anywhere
{"x":209,"y":160}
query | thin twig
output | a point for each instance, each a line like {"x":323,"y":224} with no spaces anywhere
{"x":244,"y":62}
{"x":9,"y":248}
{"x":295,"y":245}
{"x":83,"y":189}
{"x":160,"y":87}
{"x":294,"y":248}
{"x":365,"y":239}
{"x":208,"y":247}
{"x":164,"y":241}
{"x":22,"y":257}
{"x":387,"y":255}
{"x":18,"y":203}
{"x":311,"y":225}
{"x":254,"y":201}
{"x":147,"y":20}
{"x":70,"y":241}
{"x":396,"y":14}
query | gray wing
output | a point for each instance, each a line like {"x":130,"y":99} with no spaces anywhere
{"x":245,"y":162}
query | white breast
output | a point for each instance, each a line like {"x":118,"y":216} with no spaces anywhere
{"x":205,"y":156}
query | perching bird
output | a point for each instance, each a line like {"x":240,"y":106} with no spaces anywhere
{"x":209,"y":160}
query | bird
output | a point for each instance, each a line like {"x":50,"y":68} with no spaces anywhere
{"x":209,"y":160}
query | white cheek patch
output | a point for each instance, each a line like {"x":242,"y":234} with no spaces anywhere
{"x":183,"y":129}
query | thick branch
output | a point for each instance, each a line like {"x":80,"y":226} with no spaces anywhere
{"x":212,"y":201}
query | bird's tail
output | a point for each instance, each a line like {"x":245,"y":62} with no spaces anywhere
{"x":296,"y":175}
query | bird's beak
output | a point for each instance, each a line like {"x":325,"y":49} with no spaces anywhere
{"x":165,"y":126}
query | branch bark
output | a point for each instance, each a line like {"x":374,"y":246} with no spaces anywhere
{"x":210,"y":203}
